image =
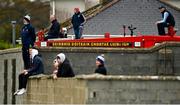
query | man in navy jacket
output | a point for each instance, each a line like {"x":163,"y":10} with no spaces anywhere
{"x":28,"y":38}
{"x":37,"y":68}
{"x":78,"y":21}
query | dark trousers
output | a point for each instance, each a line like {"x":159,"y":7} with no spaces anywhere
{"x":161,"y":28}
{"x":26,"y":56}
{"x":78,"y":32}
{"x":23,"y":80}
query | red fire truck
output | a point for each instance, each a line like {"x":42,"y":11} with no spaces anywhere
{"x":140,"y":41}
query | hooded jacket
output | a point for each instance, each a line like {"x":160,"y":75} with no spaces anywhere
{"x":37,"y":64}
{"x":65,"y":69}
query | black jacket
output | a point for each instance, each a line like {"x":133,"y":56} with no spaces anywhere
{"x":101,"y":70}
{"x":77,"y":20}
{"x":37,"y":66}
{"x":28,"y":35}
{"x":65,"y":69}
{"x":55,"y":28}
{"x":170,"y":19}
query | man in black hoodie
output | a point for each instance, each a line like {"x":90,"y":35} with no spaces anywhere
{"x":78,"y":20}
{"x":168,"y":20}
{"x":62,"y":67}
{"x":54,"y":29}
{"x":37,"y":68}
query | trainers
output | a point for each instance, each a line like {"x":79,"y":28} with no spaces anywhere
{"x":21,"y":91}
{"x":15,"y":93}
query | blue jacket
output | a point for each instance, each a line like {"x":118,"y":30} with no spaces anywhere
{"x":28,"y":35}
{"x":37,"y":66}
{"x":77,"y":20}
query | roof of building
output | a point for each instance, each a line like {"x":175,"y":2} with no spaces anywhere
{"x":140,"y":13}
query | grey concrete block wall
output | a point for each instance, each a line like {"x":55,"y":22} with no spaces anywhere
{"x":140,"y":13}
{"x":118,"y":61}
{"x":9,"y":75}
{"x":99,"y":89}
{"x":133,"y":92}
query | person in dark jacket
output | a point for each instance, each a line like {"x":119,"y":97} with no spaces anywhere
{"x":78,"y":21}
{"x":101,"y":69}
{"x":37,"y":68}
{"x":168,"y":20}
{"x":54,"y":30}
{"x":62,"y":67}
{"x":28,"y":38}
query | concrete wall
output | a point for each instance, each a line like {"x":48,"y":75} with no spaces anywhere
{"x":97,"y":89}
{"x":161,"y":60}
{"x":64,"y":9}
{"x":10,"y":66}
{"x":45,"y":90}
{"x":119,"y":61}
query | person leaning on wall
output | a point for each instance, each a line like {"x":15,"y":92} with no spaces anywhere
{"x":100,"y":66}
{"x":62,"y":67}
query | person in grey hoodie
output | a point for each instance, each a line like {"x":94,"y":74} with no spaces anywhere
{"x":62,"y":67}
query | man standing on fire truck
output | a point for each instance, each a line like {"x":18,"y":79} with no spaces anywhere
{"x":78,"y":21}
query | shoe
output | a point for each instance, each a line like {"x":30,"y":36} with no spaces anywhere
{"x":21,"y":91}
{"x":15,"y":93}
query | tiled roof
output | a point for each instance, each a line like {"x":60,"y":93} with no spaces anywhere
{"x":140,"y":13}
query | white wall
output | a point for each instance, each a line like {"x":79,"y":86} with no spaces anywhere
{"x":65,"y":8}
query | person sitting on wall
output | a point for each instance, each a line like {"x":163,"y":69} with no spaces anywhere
{"x":168,"y":20}
{"x":78,"y":21}
{"x":37,"y":68}
{"x":101,"y":69}
{"x":62,"y":67}
{"x":54,"y":30}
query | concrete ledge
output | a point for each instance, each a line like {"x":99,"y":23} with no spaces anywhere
{"x":12,"y":50}
{"x":113,"y":77}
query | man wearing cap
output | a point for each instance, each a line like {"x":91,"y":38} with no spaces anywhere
{"x":28,"y":38}
{"x":62,"y":67}
{"x":54,"y":30}
{"x":78,"y":21}
{"x":37,"y":68}
{"x":168,"y":20}
{"x":101,"y":69}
